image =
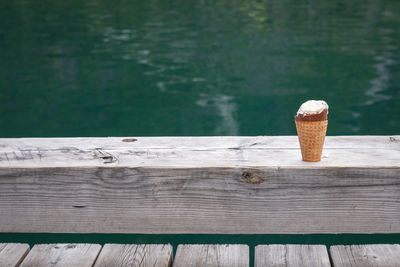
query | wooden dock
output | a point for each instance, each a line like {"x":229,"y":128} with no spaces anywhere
{"x":198,"y":185}
{"x":118,"y":255}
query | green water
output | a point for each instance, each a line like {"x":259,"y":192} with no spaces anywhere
{"x":226,"y":67}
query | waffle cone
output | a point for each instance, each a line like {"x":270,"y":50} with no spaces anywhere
{"x":311,"y":137}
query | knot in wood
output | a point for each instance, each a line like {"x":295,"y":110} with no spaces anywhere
{"x":250,"y":178}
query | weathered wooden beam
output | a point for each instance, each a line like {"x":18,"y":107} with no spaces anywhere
{"x":118,"y":255}
{"x":291,"y":255}
{"x":365,"y":255}
{"x":240,"y":185}
{"x":62,"y":255}
{"x":12,"y":254}
{"x":212,"y":255}
{"x":185,"y":152}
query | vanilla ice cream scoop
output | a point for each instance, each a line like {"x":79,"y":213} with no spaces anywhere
{"x":312,"y":107}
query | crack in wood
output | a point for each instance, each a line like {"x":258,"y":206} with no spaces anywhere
{"x":106,"y":156}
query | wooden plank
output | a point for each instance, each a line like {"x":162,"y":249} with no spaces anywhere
{"x":118,"y":255}
{"x":291,"y":255}
{"x":212,"y":255}
{"x":62,"y":255}
{"x":202,"y":200}
{"x":278,"y":151}
{"x":247,"y":185}
{"x":366,"y":255}
{"x":12,"y":254}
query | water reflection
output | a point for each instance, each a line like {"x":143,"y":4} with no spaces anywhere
{"x":382,"y":65}
{"x":257,"y":12}
{"x":225,"y":107}
{"x":381,"y":82}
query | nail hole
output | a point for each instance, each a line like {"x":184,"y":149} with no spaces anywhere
{"x":129,"y":140}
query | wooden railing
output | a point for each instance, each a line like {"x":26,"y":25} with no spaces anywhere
{"x":217,"y":185}
{"x":239,"y":185}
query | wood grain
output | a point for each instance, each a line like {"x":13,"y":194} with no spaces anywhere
{"x":12,"y":254}
{"x":291,"y":256}
{"x":212,"y":255}
{"x":231,"y":185}
{"x":62,"y":255}
{"x":278,"y":151}
{"x":118,"y":255}
{"x":365,"y":255}
{"x":203,"y":200}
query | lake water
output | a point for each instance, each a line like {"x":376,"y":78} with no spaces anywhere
{"x":228,"y":67}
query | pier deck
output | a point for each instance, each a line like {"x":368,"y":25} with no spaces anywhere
{"x":118,"y":255}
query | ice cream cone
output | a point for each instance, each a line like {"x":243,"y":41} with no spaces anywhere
{"x":311,"y":137}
